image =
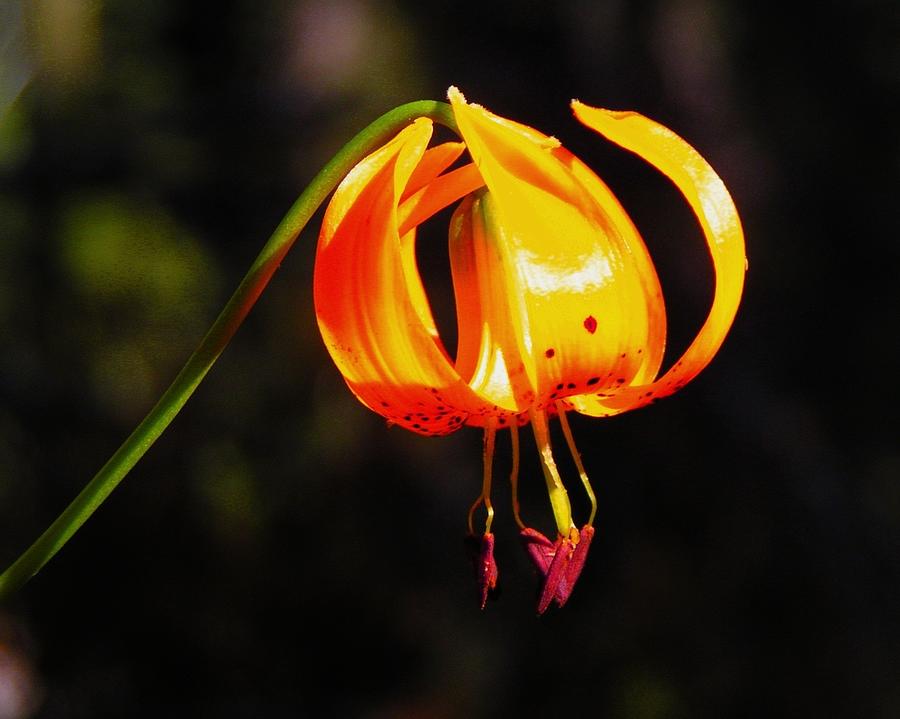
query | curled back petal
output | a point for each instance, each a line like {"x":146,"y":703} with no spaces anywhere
{"x":433,"y":163}
{"x":718,"y":217}
{"x":371,"y":321}
{"x":583,"y":296}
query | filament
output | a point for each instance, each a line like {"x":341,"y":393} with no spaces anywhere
{"x":570,"y":440}
{"x":514,"y":472}
{"x":490,"y":432}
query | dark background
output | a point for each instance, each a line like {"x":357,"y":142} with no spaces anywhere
{"x":280,"y":551}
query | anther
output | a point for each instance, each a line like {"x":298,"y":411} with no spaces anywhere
{"x":482,"y":549}
{"x":481,"y":552}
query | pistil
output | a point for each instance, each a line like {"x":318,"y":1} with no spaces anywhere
{"x":559,"y":498}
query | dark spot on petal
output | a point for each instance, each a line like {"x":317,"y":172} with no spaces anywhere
{"x":590,"y":324}
{"x":549,"y":353}
{"x":560,"y":385}
{"x":571,"y":385}
{"x":620,"y":380}
{"x":593,"y":380}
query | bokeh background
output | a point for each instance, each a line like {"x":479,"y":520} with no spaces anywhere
{"x":280,"y":551}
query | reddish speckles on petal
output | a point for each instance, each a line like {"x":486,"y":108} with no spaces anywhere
{"x":549,"y":353}
{"x":590,"y":324}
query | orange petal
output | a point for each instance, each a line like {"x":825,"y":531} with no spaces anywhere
{"x":433,"y":163}
{"x":436,"y":195}
{"x":367,"y":314}
{"x":714,"y":208}
{"x":585,"y":305}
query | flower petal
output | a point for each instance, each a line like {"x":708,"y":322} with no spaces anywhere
{"x":584,"y":299}
{"x":714,"y":208}
{"x":366,"y":311}
{"x":487,"y":356}
{"x":433,"y":163}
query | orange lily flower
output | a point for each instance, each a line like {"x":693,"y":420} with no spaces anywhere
{"x":558,"y":304}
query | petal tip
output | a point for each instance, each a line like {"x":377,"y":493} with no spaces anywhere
{"x":454,"y":95}
{"x":420,"y":122}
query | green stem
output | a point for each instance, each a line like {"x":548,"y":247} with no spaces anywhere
{"x":227,"y":323}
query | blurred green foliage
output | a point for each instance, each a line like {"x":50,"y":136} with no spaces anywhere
{"x":143,"y":286}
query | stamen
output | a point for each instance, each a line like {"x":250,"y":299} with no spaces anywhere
{"x":490,"y":432}
{"x":559,"y":499}
{"x":514,"y":472}
{"x":570,"y":440}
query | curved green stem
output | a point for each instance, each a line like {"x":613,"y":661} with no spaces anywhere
{"x":199,"y":363}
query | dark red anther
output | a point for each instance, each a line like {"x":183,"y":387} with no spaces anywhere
{"x":539,"y":548}
{"x":555,"y":585}
{"x":576,"y":563}
{"x":559,"y":563}
{"x":486,"y":574}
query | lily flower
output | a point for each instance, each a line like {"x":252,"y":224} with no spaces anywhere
{"x":558,"y":304}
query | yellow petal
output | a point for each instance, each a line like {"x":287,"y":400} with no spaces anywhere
{"x":714,"y":208}
{"x":585,"y":305}
{"x":366,"y":311}
{"x":487,"y":355}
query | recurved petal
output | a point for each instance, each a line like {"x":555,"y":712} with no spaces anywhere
{"x":718,"y":217}
{"x":433,"y":163}
{"x":585,"y":303}
{"x":380,"y":339}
